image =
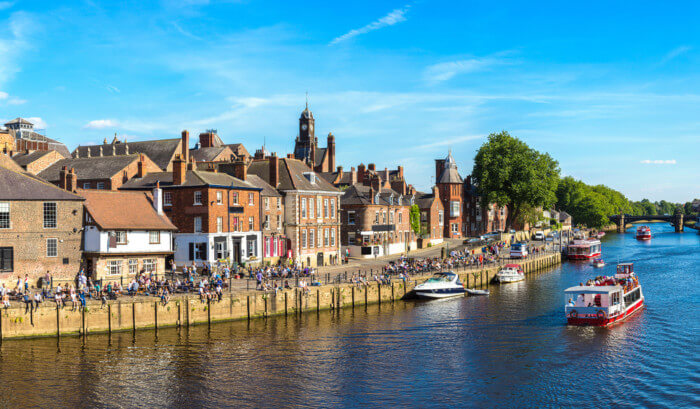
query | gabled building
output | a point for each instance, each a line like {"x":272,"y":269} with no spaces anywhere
{"x":26,"y":138}
{"x":101,"y":172}
{"x":311,"y":209}
{"x":40,"y":227}
{"x":432,"y":216}
{"x":217,"y":215}
{"x":161,"y":151}
{"x":35,"y":162}
{"x":274,"y":248}
{"x":479,"y":219}
{"x":449,"y":184}
{"x":126,"y":233}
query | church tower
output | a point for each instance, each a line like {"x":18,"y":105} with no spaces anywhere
{"x":306,"y":140}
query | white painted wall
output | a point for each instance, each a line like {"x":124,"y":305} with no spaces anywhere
{"x":137,"y":241}
{"x":183,"y":240}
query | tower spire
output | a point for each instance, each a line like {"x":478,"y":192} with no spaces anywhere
{"x":307,"y":99}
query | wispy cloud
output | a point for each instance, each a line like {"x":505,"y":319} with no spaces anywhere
{"x":447,"y":70}
{"x":675,"y":53}
{"x":21,"y":25}
{"x":185,"y":32}
{"x":112,"y":88}
{"x":395,"y":17}
{"x":101,"y":124}
{"x":6,"y":4}
{"x":658,"y":162}
{"x":450,"y":141}
{"x":38,"y":122}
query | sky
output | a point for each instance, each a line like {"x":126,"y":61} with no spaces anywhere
{"x":609,"y":89}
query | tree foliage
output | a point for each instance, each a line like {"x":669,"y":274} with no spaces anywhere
{"x":508,"y":172}
{"x":414,"y":217}
{"x":590,"y":205}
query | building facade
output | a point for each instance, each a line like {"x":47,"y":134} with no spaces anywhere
{"x":449,"y":184}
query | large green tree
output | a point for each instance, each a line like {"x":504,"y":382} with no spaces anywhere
{"x":508,"y":172}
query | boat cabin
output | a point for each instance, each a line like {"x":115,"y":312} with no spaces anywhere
{"x":446,"y":277}
{"x":584,"y":249}
{"x":589,"y":301}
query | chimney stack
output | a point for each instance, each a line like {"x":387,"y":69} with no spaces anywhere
{"x":371,"y":195}
{"x":439,"y":167}
{"x":63,"y":178}
{"x":141,"y":165}
{"x":158,"y":199}
{"x":77,"y":152}
{"x":240,"y":170}
{"x":185,"y":146}
{"x":436,"y":192}
{"x":331,"y":152}
{"x":372,"y":167}
{"x":400,"y":169}
{"x":361,"y":173}
{"x":179,"y":171}
{"x":274,"y":170}
{"x":72,"y":181}
{"x":126,"y":148}
{"x":100,"y":150}
{"x":386,"y":174}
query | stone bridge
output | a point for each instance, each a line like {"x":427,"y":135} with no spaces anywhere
{"x":677,"y":220}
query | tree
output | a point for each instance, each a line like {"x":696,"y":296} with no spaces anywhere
{"x":414,"y":217}
{"x":508,"y":172}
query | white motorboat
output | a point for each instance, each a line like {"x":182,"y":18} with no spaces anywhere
{"x":510,"y":274}
{"x":472,"y":291}
{"x":440,"y":285}
{"x":599,"y":262}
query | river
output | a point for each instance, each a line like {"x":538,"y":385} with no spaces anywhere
{"x":511,"y":349}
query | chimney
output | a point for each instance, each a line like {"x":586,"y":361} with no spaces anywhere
{"x":290,"y":156}
{"x":371,"y":195}
{"x":312,"y":156}
{"x":353,"y":176}
{"x":141,"y":165}
{"x":179,"y":171}
{"x":240,"y":170}
{"x":331,"y":152}
{"x":400,"y":169}
{"x":340,"y":171}
{"x":126,"y":148}
{"x":386,"y":174}
{"x":436,"y":192}
{"x":72,"y":181}
{"x":158,"y":199}
{"x":63,"y":178}
{"x":372,"y":167}
{"x":100,"y":150}
{"x":191,"y":165}
{"x":185,"y":146}
{"x":376,"y":182}
{"x":361,"y":174}
{"x":274,"y":170}
{"x":206,"y":139}
{"x":399,"y":186}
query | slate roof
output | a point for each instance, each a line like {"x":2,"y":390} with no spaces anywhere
{"x":160,"y":151}
{"x":424,"y":200}
{"x":359,"y":194}
{"x":291,"y":175}
{"x":193,"y":178}
{"x":23,"y":159}
{"x":20,"y":186}
{"x":103,"y":167}
{"x":320,"y":155}
{"x":563,"y":216}
{"x":239,"y":149}
{"x":267,"y":189}
{"x":207,"y":154}
{"x":449,"y":173}
{"x":18,"y":121}
{"x":114,"y":210}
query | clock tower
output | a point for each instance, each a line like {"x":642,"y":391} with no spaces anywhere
{"x":305,"y":144}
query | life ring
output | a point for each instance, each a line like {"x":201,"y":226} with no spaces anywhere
{"x":573,"y":314}
{"x":600,"y":314}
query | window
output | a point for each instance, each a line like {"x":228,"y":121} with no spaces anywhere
{"x":51,"y":247}
{"x":400,"y":214}
{"x":423,"y":217}
{"x":251,"y":199}
{"x":100,"y":185}
{"x":325,"y":208}
{"x":219,"y":198}
{"x":383,"y":217}
{"x":198,"y":197}
{"x":376,"y":217}
{"x":441,"y":217}
{"x":454,"y":208}
{"x":391,"y":217}
{"x":86,"y":185}
{"x":312,"y":238}
{"x":235,"y":197}
{"x":332,"y":208}
{"x":88,"y":219}
{"x":197,"y":224}
{"x":4,"y":215}
{"x":252,"y":248}
{"x":332,"y":237}
{"x":279,"y":222}
{"x":219,"y":224}
{"x":236,"y":224}
{"x":351,"y":217}
{"x":167,"y":199}
{"x":325,"y":237}
{"x":318,"y":212}
{"x":303,"y":208}
{"x":133,"y":266}
{"x":303,"y":239}
{"x":114,"y":267}
{"x":320,"y":238}
{"x":266,"y":201}
{"x":267,"y":222}
{"x":251,"y":224}
{"x":120,"y":236}
{"x":149,"y":265}
{"x":351,"y":237}
{"x":312,"y":208}
{"x":154,"y":237}
{"x":198,"y":251}
{"x":455,"y":227}
{"x":279,"y":203}
{"x":49,"y":215}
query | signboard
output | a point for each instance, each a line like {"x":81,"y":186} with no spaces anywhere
{"x":236,"y":209}
{"x":383,"y":227}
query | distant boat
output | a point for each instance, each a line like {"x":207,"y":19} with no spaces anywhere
{"x":643,"y":233}
{"x":510,"y":273}
{"x":598,"y":262}
{"x":583,"y":249}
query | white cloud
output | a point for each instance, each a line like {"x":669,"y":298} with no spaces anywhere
{"x":112,"y":88}
{"x":450,"y":141}
{"x":658,"y":162}
{"x":12,"y":47}
{"x":100,"y":124}
{"x":5,"y":97}
{"x":38,"y":122}
{"x":447,"y":70}
{"x":395,"y":17}
{"x":675,"y":53}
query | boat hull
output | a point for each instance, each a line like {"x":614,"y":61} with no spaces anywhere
{"x":604,"y":322}
{"x":440,"y":293}
{"x":583,"y":256}
{"x":509,"y":279}
{"x":643,"y":238}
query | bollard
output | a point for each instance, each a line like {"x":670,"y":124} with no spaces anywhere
{"x":179,"y":315}
{"x":318,"y":301}
{"x":353,"y":296}
{"x":155,"y":315}
{"x":209,"y":311}
{"x":247,"y":306}
{"x":133,"y":317}
{"x":285,"y":303}
{"x":58,"y":323}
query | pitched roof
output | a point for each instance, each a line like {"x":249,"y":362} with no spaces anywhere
{"x":267,"y":189}
{"x":320,"y":155}
{"x":103,"y":167}
{"x":207,"y":154}
{"x":124,"y":210}
{"x":238,"y":149}
{"x":563,"y":216}
{"x":24,"y":159}
{"x":53,"y":144}
{"x":7,"y":162}
{"x":193,"y":178}
{"x":424,"y":200}
{"x":292,"y":175}
{"x":20,"y":186}
{"x":360,"y":194}
{"x":160,"y":151}
{"x":19,"y":121}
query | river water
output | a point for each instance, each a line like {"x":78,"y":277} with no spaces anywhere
{"x":511,"y":349}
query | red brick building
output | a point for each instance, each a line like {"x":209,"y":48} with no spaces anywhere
{"x":449,"y":184}
{"x":432,"y":216}
{"x":101,"y":172}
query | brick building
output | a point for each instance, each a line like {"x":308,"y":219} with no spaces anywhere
{"x":102,"y":172}
{"x":40,"y":228}
{"x":306,"y":147}
{"x":274,"y":248}
{"x":479,"y":219}
{"x":211,"y":149}
{"x":449,"y":184}
{"x":162,"y":151}
{"x":26,"y":138}
{"x":35,"y":162}
{"x":311,"y":209}
{"x":125,"y":233}
{"x":432,"y":216}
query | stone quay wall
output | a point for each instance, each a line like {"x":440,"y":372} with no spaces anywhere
{"x":131,"y":314}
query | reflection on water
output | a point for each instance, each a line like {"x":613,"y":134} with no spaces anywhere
{"x":509,"y":349}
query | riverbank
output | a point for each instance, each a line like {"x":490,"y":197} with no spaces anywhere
{"x":137,"y":314}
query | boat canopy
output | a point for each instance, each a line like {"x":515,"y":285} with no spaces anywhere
{"x":590,"y":289}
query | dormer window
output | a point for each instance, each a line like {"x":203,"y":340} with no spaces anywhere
{"x":376,"y":198}
{"x":311,"y":176}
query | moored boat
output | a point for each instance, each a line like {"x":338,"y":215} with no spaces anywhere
{"x":598,"y":262}
{"x":643,"y":233}
{"x":440,"y":285}
{"x":584,"y":249}
{"x":510,"y":273}
{"x":606,"y":300}
{"x":601,"y":234}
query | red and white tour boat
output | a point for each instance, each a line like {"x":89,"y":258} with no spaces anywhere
{"x":584,"y":249}
{"x":605,"y":300}
{"x":643,"y":233}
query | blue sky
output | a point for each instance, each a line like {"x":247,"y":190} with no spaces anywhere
{"x":610,"y":89}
